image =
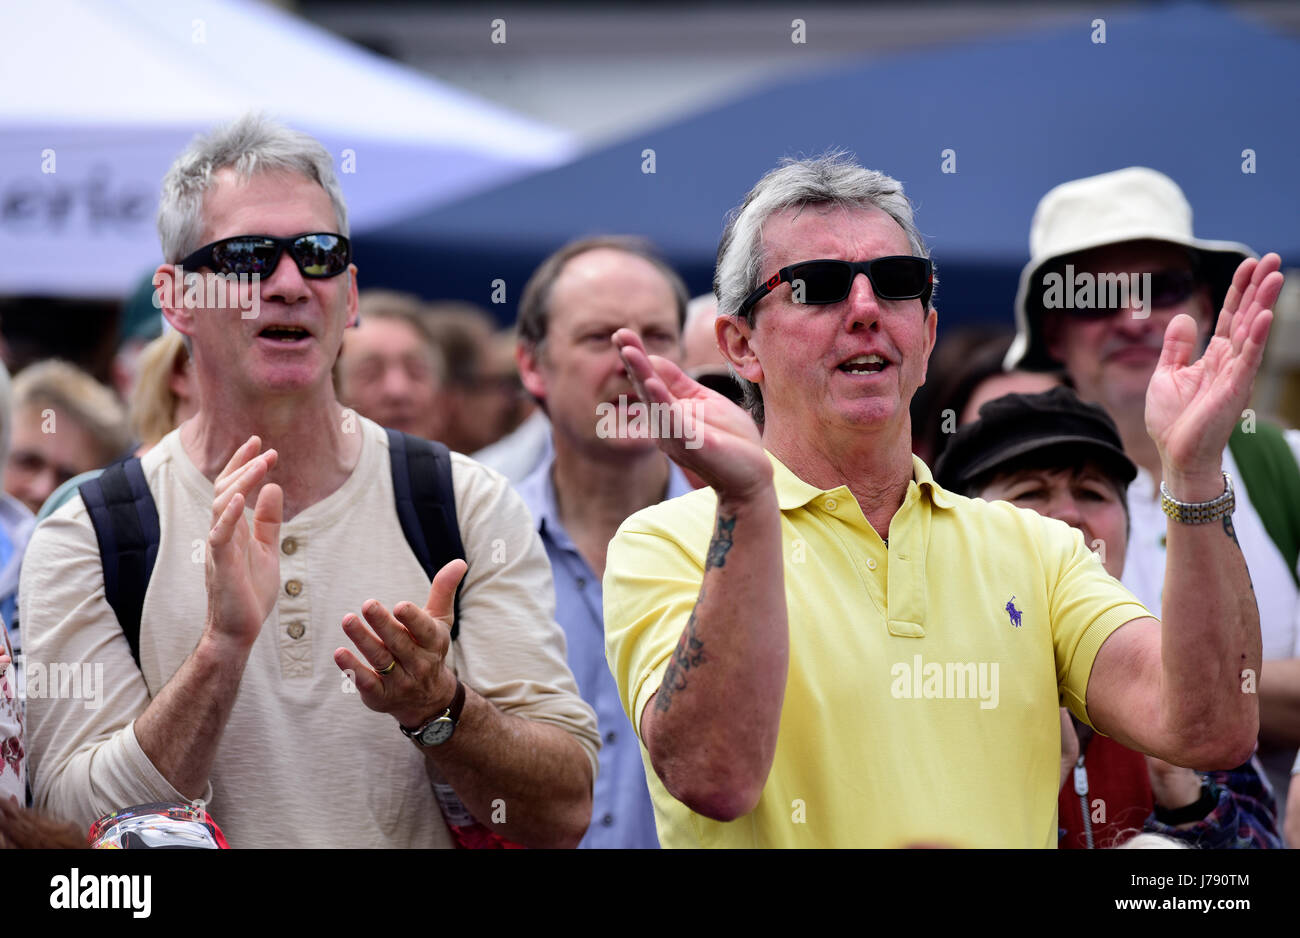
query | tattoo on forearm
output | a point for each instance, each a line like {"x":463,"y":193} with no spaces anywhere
{"x":688,"y":654}
{"x":1232,"y":533}
{"x":690,"y":648}
{"x":722,"y":541}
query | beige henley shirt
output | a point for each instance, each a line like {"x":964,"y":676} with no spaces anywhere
{"x":302,"y":761}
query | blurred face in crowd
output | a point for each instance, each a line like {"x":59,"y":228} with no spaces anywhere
{"x":807,"y":357}
{"x":1084,"y":497}
{"x":1112,"y":358}
{"x":388,"y":372}
{"x":46,"y":449}
{"x":492,"y":404}
{"x":291,"y":346}
{"x":577,"y":367}
{"x":701,"y":341}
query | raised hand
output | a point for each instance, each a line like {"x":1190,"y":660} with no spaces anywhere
{"x":414,"y":641}
{"x":1192,"y":405}
{"x":243,"y":565}
{"x":720,"y":442}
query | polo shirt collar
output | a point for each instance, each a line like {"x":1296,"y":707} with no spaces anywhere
{"x":793,"y":492}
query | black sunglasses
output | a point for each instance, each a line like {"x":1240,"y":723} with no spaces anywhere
{"x":1168,"y":288}
{"x":318,"y":255}
{"x":898,"y":277}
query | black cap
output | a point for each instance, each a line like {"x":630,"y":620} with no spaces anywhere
{"x":1012,"y":427}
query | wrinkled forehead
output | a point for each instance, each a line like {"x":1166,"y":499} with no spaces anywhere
{"x":828,"y":230}
{"x":273,"y":203}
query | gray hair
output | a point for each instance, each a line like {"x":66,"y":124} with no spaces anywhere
{"x":66,"y":388}
{"x":831,"y":179}
{"x":251,"y":144}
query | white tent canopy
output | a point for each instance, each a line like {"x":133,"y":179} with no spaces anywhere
{"x":99,"y":98}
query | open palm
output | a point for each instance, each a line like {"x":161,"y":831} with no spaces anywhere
{"x":720,"y":442}
{"x":243,"y":562}
{"x":1191,"y":405}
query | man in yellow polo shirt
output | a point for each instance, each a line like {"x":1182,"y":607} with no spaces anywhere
{"x":824,"y":648}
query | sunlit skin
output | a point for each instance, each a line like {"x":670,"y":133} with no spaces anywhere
{"x":45,"y":451}
{"x":796,"y":349}
{"x":252,"y":366}
{"x":388,"y":373}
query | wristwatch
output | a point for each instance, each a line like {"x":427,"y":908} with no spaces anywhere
{"x":1199,"y":512}
{"x":438,"y":730}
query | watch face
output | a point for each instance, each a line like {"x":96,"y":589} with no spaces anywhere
{"x":437,"y":732}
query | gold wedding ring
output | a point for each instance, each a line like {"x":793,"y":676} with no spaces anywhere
{"x":392,"y":664}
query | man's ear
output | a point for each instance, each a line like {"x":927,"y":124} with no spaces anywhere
{"x":354,"y":315}
{"x":735,"y":340}
{"x":528,"y":360}
{"x":169,"y":296}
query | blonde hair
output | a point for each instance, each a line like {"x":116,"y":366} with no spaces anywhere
{"x":66,"y":388}
{"x":153,"y":402}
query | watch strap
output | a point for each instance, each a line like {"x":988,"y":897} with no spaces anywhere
{"x":452,"y":713}
{"x":457,"y":703}
{"x":1198,"y":810}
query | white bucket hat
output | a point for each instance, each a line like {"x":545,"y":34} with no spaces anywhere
{"x":1134,"y":204}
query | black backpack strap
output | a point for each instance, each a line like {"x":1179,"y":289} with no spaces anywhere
{"x":126,"y":524}
{"x":426,"y":504}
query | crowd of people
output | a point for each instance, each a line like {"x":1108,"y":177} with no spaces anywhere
{"x":365,"y":570}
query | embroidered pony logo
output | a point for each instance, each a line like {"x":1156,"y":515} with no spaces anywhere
{"x":1013,"y":612}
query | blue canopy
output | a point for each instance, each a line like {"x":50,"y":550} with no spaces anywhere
{"x":1184,"y":88}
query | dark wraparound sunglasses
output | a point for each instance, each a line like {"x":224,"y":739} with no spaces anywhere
{"x":898,"y":277}
{"x":317,"y":255}
{"x":1168,"y":288}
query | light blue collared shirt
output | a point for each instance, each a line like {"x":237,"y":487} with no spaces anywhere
{"x":621,"y":812}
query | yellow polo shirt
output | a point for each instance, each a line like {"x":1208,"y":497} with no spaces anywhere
{"x":924,"y":675}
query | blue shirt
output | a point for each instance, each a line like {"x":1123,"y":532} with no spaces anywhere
{"x":621,"y":812}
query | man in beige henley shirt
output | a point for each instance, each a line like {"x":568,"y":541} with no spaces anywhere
{"x":279,"y":543}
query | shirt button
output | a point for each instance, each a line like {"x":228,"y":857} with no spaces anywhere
{"x":581,"y":582}
{"x":871,"y":564}
{"x":289,"y":545}
{"x":608,"y":820}
{"x":293,"y":587}
{"x":830,"y":504}
{"x":296,"y":630}
{"x":610,"y":737}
